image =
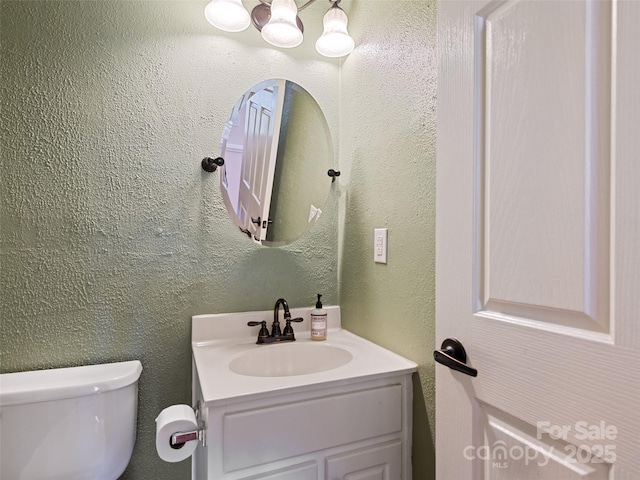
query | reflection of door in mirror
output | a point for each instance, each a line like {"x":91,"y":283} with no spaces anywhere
{"x":262,"y":119}
{"x":251,"y":145}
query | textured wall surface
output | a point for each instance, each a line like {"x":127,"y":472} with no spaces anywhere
{"x":304,"y":157}
{"x":111,"y":234}
{"x":387,"y":158}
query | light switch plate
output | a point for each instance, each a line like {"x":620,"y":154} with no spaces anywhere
{"x":380,"y":245}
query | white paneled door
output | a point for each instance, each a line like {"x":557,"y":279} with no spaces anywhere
{"x":538,"y":240}
{"x":261,"y":138}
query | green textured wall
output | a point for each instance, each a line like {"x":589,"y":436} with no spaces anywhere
{"x":308,"y":158}
{"x":387,"y":158}
{"x":111,"y":234}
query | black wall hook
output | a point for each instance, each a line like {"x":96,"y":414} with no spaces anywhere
{"x":211,"y":164}
{"x":333,"y":174}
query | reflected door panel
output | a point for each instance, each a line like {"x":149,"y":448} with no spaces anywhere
{"x":262,"y":119}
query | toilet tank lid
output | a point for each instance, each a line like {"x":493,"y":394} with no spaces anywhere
{"x":60,"y":383}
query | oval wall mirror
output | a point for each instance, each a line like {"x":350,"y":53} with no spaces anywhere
{"x":277,"y":150}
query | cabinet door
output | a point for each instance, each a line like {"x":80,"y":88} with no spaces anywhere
{"x":304,"y":471}
{"x":379,"y":462}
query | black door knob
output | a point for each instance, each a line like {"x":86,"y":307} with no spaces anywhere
{"x":453,"y":355}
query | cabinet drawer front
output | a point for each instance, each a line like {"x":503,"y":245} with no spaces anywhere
{"x":380,"y":462}
{"x":286,"y":430}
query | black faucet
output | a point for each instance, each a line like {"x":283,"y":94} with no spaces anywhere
{"x":276,"y":334}
{"x":275,"y":327}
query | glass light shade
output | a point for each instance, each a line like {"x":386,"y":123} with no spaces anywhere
{"x":335,"y":40}
{"x":227,"y":15}
{"x":282,"y":30}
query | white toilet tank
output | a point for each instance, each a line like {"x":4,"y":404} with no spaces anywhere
{"x":68,"y":423}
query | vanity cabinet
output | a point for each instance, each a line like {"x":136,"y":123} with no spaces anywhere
{"x":306,"y":410}
{"x":335,"y":431}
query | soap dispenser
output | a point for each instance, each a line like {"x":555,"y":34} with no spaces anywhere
{"x":318,"y":322}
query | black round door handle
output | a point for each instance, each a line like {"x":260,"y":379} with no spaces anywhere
{"x":453,"y":355}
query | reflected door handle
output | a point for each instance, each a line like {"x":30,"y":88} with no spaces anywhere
{"x":453,"y":355}
{"x":259,"y":221}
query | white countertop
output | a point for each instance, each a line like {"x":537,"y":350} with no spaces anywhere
{"x":218,"y":339}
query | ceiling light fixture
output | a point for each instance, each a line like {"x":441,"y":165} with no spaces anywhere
{"x":280,"y":25}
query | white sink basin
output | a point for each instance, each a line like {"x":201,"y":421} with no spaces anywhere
{"x":284,"y":360}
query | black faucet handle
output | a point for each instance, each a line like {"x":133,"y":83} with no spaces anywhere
{"x":288,"y":329}
{"x":264,"y":332}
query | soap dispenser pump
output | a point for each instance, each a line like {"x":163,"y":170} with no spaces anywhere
{"x":318,"y":322}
